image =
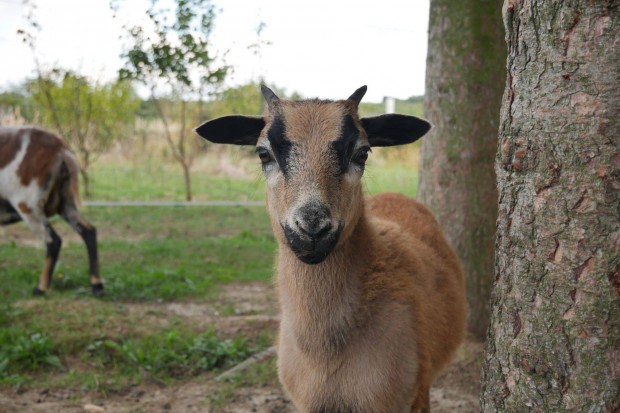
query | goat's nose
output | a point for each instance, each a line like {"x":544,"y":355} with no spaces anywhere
{"x":313,"y":220}
{"x":314,"y":228}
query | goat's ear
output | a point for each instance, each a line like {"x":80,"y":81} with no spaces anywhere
{"x":235,"y":130}
{"x":394,"y":129}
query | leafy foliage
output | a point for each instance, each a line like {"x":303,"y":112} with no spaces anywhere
{"x":177,"y":51}
{"x":21,"y":351}
{"x":172,"y":57}
{"x":171,"y":353}
{"x":89,"y":116}
{"x":17,"y":100}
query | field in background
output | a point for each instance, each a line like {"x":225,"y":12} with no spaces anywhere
{"x":150,"y":258}
{"x":142,"y":168}
{"x":175,"y":277}
{"x":234,"y":174}
{"x":188,"y":296}
{"x":188,"y":289}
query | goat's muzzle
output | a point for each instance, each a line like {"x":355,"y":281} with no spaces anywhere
{"x":312,"y":236}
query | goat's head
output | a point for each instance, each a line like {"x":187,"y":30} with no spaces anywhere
{"x":313,"y":154}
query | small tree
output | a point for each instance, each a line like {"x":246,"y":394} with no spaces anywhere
{"x":89,"y":117}
{"x":175,"y":62}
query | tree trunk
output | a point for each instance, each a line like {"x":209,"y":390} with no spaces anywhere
{"x":83,"y":166}
{"x":465,"y":77}
{"x":188,"y":181}
{"x":85,"y":183}
{"x":553,"y":343}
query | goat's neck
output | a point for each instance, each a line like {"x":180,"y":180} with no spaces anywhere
{"x":323,"y":302}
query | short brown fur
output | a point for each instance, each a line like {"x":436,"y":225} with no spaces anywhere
{"x":371,"y":295}
{"x":400,"y":271}
{"x":8,"y":149}
{"x":40,"y":158}
{"x":24,"y":208}
{"x":388,"y":301}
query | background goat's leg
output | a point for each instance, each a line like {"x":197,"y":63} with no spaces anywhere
{"x":89,"y":234}
{"x":43,"y":230}
{"x":53,"y":244}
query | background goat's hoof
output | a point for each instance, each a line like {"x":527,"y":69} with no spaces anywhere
{"x":37,"y":293}
{"x":97,"y":289}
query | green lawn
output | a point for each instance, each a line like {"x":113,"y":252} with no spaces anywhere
{"x":149,"y":256}
{"x":152,"y":253}
{"x":146,"y":181}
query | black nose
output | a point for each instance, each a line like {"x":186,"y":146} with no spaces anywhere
{"x":314,"y":221}
{"x":314,"y":229}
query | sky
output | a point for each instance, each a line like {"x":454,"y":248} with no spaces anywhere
{"x":319,"y":48}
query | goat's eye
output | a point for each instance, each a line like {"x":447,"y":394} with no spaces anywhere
{"x":361,"y":156}
{"x":264,"y":155}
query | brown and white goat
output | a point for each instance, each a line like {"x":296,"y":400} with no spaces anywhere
{"x":372,"y":297}
{"x":38,"y":179}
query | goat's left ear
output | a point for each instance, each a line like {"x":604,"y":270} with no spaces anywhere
{"x":234,"y":129}
{"x":394,"y":129}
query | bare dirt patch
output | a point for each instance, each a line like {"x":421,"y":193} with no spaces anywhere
{"x":247,"y":308}
{"x":239,"y":308}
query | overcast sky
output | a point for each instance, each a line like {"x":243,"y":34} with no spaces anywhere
{"x":322,"y":48}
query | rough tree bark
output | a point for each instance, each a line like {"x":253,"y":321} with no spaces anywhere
{"x":553,"y":343}
{"x":465,"y":77}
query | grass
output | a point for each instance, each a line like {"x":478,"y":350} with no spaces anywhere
{"x":151,"y":253}
{"x":390,"y":169}
{"x":76,"y":352}
{"x":149,"y":256}
{"x":164,"y":181}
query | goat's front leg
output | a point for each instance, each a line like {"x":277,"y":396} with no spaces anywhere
{"x":53,"y":244}
{"x":89,"y":234}
{"x":422,"y":402}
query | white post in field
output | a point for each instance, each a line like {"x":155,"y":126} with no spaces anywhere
{"x":390,"y":104}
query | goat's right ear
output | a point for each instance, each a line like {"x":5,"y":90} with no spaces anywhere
{"x":234,"y":130}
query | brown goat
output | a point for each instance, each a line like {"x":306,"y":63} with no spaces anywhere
{"x":38,"y":179}
{"x":372,"y":297}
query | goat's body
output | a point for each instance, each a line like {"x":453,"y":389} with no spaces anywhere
{"x":368,"y":329}
{"x":41,"y":175}
{"x":38,"y":179}
{"x":372,"y":296}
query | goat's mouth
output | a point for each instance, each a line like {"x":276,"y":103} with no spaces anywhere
{"x":311,"y":250}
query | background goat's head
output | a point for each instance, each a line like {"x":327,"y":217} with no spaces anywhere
{"x":313,"y":154}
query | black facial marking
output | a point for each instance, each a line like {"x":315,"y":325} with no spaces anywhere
{"x":343,"y":147}
{"x":280,"y":145}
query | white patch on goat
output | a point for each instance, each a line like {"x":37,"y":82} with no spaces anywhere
{"x":12,"y":189}
{"x":9,"y":181}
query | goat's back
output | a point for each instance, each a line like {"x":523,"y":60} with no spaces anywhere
{"x":436,"y":275}
{"x":414,"y":219}
{"x":45,"y":157}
